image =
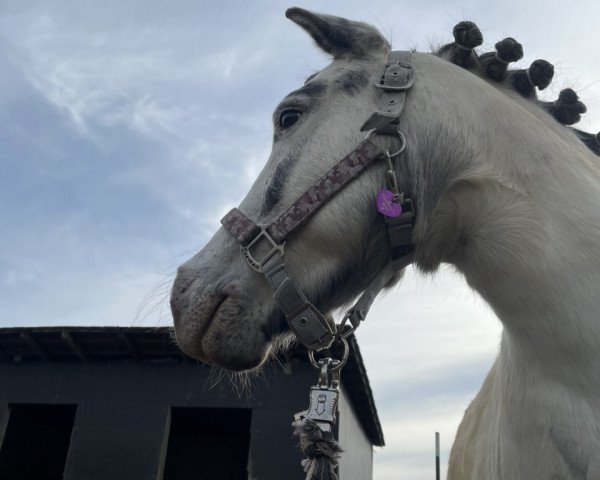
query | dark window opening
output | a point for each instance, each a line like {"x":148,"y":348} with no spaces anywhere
{"x":210,"y":443}
{"x":36,"y":441}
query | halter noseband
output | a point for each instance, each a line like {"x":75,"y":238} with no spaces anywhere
{"x":262,"y":246}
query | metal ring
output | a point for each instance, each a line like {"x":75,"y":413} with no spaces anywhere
{"x":398,"y":152}
{"x":340,"y":328}
{"x":341,"y":362}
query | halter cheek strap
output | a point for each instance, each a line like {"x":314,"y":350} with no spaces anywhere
{"x":262,"y":246}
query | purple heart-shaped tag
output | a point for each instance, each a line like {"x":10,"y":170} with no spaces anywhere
{"x":387,"y":205}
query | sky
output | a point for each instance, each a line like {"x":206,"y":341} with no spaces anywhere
{"x":129,"y":128}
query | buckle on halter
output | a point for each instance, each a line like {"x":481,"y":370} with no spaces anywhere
{"x":263,"y":244}
{"x":310,"y":327}
{"x":396,"y":77}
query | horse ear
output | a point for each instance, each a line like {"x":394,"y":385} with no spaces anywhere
{"x":338,"y":36}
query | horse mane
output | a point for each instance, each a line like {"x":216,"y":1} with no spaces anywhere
{"x":493,"y":67}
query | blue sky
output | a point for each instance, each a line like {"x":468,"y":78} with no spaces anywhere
{"x":129,"y":128}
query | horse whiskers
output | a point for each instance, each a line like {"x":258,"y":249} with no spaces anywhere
{"x":283,"y":343}
{"x":241,"y":383}
{"x":275,"y":358}
{"x":214,"y":377}
{"x":155,"y":300}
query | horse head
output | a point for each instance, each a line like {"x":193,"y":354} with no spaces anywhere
{"x":457,"y":158}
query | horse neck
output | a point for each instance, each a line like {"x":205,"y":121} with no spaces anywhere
{"x":512,"y":199}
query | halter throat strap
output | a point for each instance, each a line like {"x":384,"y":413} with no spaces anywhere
{"x":262,"y":246}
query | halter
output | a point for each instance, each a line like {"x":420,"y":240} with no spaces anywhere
{"x":262,"y":246}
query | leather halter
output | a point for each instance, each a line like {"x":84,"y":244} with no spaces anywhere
{"x":262,"y":246}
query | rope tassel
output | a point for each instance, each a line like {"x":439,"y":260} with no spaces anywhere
{"x":320,"y":448}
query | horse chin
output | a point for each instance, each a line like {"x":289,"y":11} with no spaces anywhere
{"x":223,"y":334}
{"x":233,"y":343}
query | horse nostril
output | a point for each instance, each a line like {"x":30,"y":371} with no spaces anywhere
{"x":183,"y":281}
{"x":227,"y":287}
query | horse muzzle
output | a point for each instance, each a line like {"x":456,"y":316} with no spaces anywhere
{"x":220,"y":323}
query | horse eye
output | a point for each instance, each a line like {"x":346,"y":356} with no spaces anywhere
{"x":288,"y":118}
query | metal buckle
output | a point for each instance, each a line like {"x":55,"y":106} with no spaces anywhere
{"x":351,"y":314}
{"x":336,"y":364}
{"x":275,"y":248}
{"x":394,"y":132}
{"x":397,"y":88}
{"x":310,"y":327}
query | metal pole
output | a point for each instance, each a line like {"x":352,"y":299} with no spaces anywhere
{"x":437,"y":455}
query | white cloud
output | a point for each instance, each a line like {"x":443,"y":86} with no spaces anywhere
{"x":409,"y":451}
{"x":427,"y":346}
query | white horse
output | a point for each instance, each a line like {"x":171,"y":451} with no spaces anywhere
{"x":503,"y":192}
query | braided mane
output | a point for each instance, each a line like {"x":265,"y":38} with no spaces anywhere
{"x":566,"y":109}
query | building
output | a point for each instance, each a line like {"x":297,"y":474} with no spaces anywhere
{"x":125,"y":404}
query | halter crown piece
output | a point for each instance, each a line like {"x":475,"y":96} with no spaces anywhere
{"x":262,"y":246}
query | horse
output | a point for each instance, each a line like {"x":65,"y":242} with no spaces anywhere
{"x":503,"y":192}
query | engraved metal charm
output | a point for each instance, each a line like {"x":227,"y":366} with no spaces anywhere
{"x":323,"y":407}
{"x":324,"y":396}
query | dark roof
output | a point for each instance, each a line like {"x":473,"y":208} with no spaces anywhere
{"x":143,"y":343}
